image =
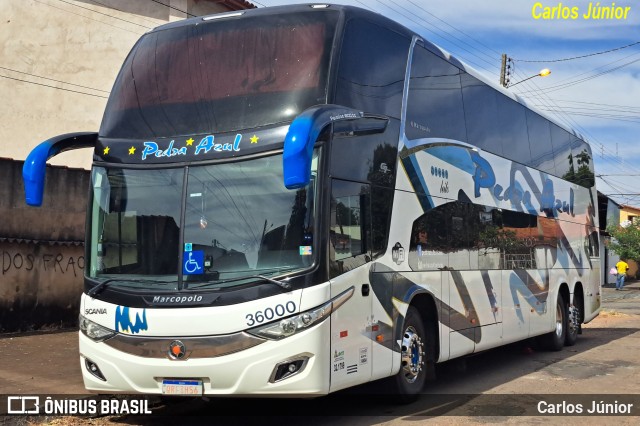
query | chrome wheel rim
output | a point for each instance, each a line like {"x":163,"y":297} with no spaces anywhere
{"x":412,"y":355}
{"x":559,"y":320}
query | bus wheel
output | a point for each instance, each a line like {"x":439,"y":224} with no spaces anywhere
{"x":554,"y":341}
{"x":411,"y":377}
{"x":573,"y":325}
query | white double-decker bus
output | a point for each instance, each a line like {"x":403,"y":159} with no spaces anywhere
{"x":296,"y":200}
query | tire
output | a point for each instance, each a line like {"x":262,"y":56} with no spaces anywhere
{"x":573,"y":325}
{"x":555,"y":340}
{"x":410,"y":379}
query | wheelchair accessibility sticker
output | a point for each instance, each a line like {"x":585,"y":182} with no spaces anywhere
{"x":193,"y":262}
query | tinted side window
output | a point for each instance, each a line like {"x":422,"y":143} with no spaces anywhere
{"x":373,"y":63}
{"x":366,"y":158}
{"x":561,"y":139}
{"x":583,"y":163}
{"x":350,"y":228}
{"x":513,"y":129}
{"x":434,"y":105}
{"x":540,"y":143}
{"x":481,"y":112}
{"x":463,"y":236}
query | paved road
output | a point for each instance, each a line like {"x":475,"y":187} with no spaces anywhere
{"x":605,"y":361}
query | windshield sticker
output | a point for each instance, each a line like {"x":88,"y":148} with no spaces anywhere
{"x":124,"y":323}
{"x":193,"y":262}
{"x":305,"y":251}
{"x":188,"y":247}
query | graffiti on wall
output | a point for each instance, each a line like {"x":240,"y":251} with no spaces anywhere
{"x":12,"y":261}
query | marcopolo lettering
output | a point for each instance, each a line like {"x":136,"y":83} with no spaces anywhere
{"x":177,"y":299}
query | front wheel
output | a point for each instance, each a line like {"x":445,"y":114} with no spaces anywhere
{"x":412,"y":375}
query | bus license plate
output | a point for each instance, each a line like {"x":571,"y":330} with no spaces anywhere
{"x":182,"y":387}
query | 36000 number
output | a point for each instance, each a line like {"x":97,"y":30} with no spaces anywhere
{"x":270,"y":313}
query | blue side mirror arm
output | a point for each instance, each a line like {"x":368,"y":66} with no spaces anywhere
{"x":301,"y":137}
{"x":35,"y":166}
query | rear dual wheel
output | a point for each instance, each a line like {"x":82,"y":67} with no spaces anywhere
{"x":555,"y":340}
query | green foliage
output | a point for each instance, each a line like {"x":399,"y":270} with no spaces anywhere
{"x":626,"y":241}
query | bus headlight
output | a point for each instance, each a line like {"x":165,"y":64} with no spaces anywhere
{"x":94,"y":331}
{"x":286,"y":327}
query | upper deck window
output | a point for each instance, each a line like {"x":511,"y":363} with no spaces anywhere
{"x":221,"y":76}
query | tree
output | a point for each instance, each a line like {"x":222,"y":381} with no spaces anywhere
{"x":625,"y":241}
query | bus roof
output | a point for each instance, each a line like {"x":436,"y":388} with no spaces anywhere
{"x":351,"y":12}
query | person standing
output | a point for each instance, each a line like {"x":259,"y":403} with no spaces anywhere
{"x":622,"y":268}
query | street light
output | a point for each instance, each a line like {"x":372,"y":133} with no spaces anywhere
{"x":543,"y":73}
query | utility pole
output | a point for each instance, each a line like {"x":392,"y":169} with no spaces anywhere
{"x":503,"y":71}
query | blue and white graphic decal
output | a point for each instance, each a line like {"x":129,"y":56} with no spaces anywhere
{"x":452,"y":170}
{"x":126,"y":324}
{"x":416,"y":178}
{"x":524,"y":283}
{"x":193,"y":262}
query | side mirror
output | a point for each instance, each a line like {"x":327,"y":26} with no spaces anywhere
{"x":35,"y":166}
{"x":303,"y":134}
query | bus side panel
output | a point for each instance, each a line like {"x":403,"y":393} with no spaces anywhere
{"x":515,"y":312}
{"x":383,"y":314}
{"x":351,"y":330}
{"x":592,"y":289}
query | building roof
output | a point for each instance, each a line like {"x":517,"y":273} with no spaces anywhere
{"x":237,"y":4}
{"x":630,"y":208}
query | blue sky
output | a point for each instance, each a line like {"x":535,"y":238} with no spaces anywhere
{"x":604,"y":109}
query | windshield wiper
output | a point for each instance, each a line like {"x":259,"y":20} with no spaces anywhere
{"x":102,"y":285}
{"x":283,"y":284}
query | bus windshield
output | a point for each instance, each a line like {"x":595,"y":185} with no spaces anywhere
{"x":236,"y":220}
{"x":220,"y":76}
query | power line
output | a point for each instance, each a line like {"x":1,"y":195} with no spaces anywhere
{"x":54,"y":87}
{"x":174,"y":8}
{"x":630,"y":107}
{"x":632,"y":119}
{"x":491,"y":62}
{"x":573,"y":83}
{"x":421,"y":25}
{"x":57,"y":81}
{"x":86,"y":17}
{"x":120,"y":10}
{"x":457,"y":29}
{"x":105,"y":14}
{"x":577,"y":57}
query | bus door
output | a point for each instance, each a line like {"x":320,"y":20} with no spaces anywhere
{"x":350,"y":256}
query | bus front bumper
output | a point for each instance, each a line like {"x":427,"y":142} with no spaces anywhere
{"x":247,"y":372}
